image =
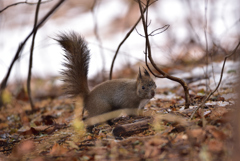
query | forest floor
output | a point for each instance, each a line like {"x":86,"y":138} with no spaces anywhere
{"x":54,"y":131}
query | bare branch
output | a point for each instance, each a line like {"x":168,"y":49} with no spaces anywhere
{"x":128,"y":34}
{"x":149,"y":23}
{"x":139,"y":33}
{"x":146,"y":63}
{"x":220,"y":80}
{"x":4,"y":81}
{"x":206,"y":40}
{"x":148,"y":51}
{"x":31,"y":56}
{"x":144,"y":5}
{"x":152,"y":2}
{"x":165,"y":27}
{"x":119,"y":46}
{"x":14,"y":4}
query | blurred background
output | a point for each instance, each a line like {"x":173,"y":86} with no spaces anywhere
{"x":104,"y":24}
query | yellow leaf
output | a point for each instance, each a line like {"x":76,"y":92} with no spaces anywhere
{"x":72,"y":144}
{"x":78,"y":125}
{"x":6,"y":97}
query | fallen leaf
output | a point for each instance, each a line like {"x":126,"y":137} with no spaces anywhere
{"x":215,"y":146}
{"x":58,"y":150}
{"x":153,"y":147}
{"x":36,"y":130}
{"x":6,"y":96}
{"x":196,"y":136}
{"x":217,"y":134}
{"x":72,"y":144}
{"x":23,"y":148}
{"x":22,"y":95}
{"x":218,"y":111}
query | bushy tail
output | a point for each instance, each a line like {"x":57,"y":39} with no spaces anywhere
{"x":76,"y":63}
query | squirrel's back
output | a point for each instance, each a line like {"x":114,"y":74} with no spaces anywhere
{"x":77,"y":58}
{"x":112,"y":95}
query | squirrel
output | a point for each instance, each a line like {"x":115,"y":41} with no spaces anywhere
{"x":107,"y":96}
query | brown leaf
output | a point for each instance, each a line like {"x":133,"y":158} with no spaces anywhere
{"x":72,"y":144}
{"x":153,"y":147}
{"x":24,"y":118}
{"x":196,"y":136}
{"x":3,"y":125}
{"x":38,"y":159}
{"x":215,"y":132}
{"x":218,"y":112}
{"x":58,"y":150}
{"x":44,"y":129}
{"x":27,"y":130}
{"x":215,"y":146}
{"x":23,"y":148}
{"x":22,"y":95}
{"x":36,"y":130}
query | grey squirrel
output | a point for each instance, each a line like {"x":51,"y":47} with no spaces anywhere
{"x":108,"y":96}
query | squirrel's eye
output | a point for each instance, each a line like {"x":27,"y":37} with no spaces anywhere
{"x":143,"y":87}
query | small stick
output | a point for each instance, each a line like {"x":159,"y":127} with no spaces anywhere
{"x":4,"y":81}
{"x":164,"y":75}
{"x":31,"y":56}
{"x":211,"y":93}
{"x":119,"y":46}
{"x":15,"y":4}
{"x":132,"y":128}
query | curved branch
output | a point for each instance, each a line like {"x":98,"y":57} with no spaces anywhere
{"x":139,"y":33}
{"x":220,"y":80}
{"x":14,"y":4}
{"x":128,"y":34}
{"x":165,"y":27}
{"x":206,"y":43}
{"x":31,"y":56}
{"x":119,"y":46}
{"x":148,"y":51}
{"x":4,"y":81}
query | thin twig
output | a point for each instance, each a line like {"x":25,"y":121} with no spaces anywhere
{"x":139,"y":33}
{"x":189,"y":20}
{"x":206,"y":40}
{"x":31,"y":56}
{"x":128,"y":34}
{"x":146,"y":47}
{"x":211,"y":93}
{"x":146,"y":51}
{"x":119,"y":46}
{"x":14,"y":4}
{"x":4,"y":81}
{"x":193,"y":30}
{"x":183,"y":83}
{"x":211,"y":57}
{"x":165,"y":27}
{"x":149,"y":23}
{"x":142,"y":2}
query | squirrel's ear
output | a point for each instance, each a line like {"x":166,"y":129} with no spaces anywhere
{"x":146,"y":72}
{"x":139,"y":74}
